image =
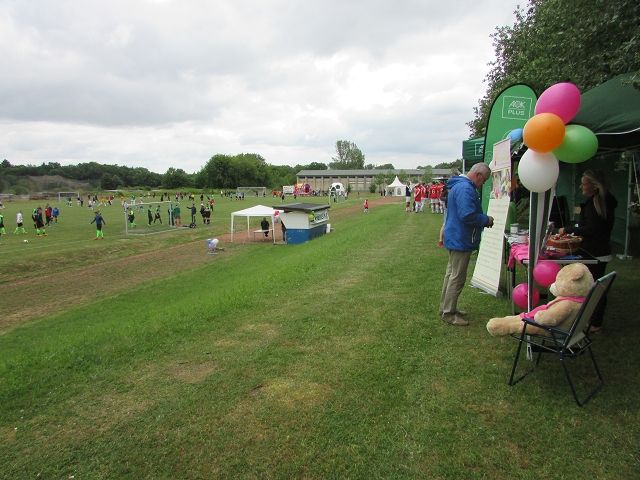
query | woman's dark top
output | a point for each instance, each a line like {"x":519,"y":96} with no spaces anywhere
{"x":595,"y":230}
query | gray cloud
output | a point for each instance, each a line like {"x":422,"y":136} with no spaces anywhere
{"x":159,"y":83}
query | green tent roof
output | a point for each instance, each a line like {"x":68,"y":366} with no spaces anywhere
{"x":473,"y":150}
{"x":612,"y":111}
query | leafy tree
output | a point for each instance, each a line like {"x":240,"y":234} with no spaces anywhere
{"x":176,"y":178}
{"x":456,"y":164}
{"x":110,"y":181}
{"x":317,"y":166}
{"x":349,"y":156}
{"x":585,"y":42}
{"x":427,"y":176}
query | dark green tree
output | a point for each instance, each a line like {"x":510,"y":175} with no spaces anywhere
{"x":176,"y":178}
{"x":585,"y":42}
{"x":110,"y":181}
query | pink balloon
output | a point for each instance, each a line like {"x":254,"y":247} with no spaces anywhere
{"x":520,"y":296}
{"x":545,"y":271}
{"x":562,"y":99}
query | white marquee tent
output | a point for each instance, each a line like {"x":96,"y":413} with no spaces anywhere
{"x":397,"y":188}
{"x":257,"y":211}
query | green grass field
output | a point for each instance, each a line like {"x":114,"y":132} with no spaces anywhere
{"x":321,"y":360}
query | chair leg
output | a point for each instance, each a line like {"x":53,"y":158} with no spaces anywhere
{"x":516,"y":360}
{"x":571,"y":385}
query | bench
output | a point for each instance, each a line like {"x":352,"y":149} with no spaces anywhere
{"x":262,"y":232}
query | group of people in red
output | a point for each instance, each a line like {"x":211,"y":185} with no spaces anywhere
{"x":435,"y":193}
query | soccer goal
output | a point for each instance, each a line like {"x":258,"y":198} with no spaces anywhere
{"x":149,"y":218}
{"x":251,"y":191}
{"x":67,"y":196}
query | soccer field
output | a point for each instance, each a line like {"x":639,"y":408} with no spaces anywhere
{"x":145,"y":357}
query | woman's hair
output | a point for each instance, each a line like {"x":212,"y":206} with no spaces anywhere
{"x":598,"y":181}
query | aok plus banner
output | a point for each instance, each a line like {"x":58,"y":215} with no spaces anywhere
{"x":510,"y":110}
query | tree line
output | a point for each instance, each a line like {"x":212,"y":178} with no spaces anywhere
{"x":220,"y":171}
{"x":585,"y":42}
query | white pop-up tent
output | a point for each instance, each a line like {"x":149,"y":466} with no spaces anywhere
{"x":397,"y":188}
{"x":257,"y":211}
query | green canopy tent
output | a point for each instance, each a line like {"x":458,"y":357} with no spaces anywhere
{"x":472,"y":152}
{"x":612,"y":111}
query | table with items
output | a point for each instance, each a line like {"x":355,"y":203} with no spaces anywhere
{"x":517,"y":252}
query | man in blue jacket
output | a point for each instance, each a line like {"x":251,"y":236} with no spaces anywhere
{"x":462,"y":230}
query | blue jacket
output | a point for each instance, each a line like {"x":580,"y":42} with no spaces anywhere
{"x":465,"y":220}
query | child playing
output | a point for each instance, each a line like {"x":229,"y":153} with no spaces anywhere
{"x":20,"y":223}
{"x":99,"y":221}
{"x":366,"y":205}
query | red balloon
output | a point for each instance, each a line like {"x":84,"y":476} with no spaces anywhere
{"x":520,"y":296}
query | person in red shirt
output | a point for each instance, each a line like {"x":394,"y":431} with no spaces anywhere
{"x":417,"y":198}
{"x":433,"y":197}
{"x":366,"y":206}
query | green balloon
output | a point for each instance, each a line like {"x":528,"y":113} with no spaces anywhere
{"x":579,"y":145}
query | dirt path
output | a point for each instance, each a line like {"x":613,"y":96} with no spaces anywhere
{"x":60,"y":291}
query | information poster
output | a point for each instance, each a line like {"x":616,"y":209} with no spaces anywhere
{"x":486,"y":274}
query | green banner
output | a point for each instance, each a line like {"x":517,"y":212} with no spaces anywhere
{"x":510,"y":110}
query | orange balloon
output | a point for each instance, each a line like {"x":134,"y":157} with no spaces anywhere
{"x":543,"y":132}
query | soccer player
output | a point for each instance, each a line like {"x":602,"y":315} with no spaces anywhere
{"x":2,"y":229}
{"x":39,"y":222}
{"x":99,"y":221}
{"x":149,"y":215}
{"x":131,"y":216}
{"x":19,"y":222}
{"x":157,"y":216}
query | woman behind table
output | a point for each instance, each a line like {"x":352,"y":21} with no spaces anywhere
{"x":594,"y":226}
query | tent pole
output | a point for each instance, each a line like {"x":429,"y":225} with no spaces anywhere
{"x":632,"y":167}
{"x":273,"y":224}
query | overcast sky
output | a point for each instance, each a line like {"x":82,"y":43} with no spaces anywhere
{"x":169,"y":83}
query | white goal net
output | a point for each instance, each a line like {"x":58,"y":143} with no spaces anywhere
{"x":251,"y":191}
{"x":148,"y":218}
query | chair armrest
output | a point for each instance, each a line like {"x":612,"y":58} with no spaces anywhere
{"x":548,"y":328}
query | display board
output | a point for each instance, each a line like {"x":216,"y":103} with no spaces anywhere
{"x":486,"y":274}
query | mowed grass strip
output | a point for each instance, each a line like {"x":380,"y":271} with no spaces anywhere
{"x":318,"y":360}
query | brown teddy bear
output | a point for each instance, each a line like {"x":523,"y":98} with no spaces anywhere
{"x":572,"y":285}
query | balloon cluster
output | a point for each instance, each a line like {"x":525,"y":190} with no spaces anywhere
{"x":550,"y":139}
{"x":544,"y":274}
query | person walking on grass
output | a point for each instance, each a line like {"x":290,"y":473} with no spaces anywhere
{"x":131,"y":216}
{"x":149,"y":215}
{"x":463,"y":227}
{"x":39,"y":222}
{"x":20,"y":224}
{"x":99,"y":221}
{"x":2,"y":229}
{"x":193,"y":213}
{"x":366,"y":206}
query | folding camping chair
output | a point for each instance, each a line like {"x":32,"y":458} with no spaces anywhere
{"x":565,"y":344}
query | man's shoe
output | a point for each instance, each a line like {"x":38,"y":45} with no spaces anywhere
{"x":461,"y":313}
{"x":454,"y":319}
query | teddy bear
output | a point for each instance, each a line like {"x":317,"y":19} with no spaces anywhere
{"x":571,"y":287}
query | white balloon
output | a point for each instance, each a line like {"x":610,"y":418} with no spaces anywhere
{"x":538,"y":172}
